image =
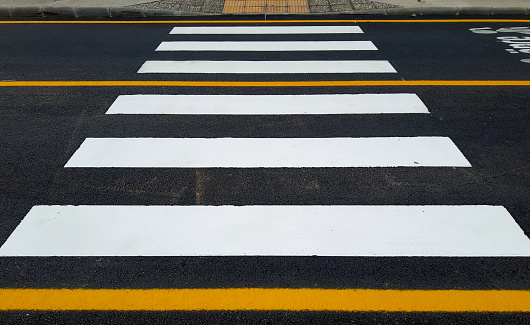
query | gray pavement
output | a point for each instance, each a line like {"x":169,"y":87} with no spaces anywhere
{"x":171,"y":7}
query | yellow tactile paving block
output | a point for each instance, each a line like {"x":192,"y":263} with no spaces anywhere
{"x":297,"y":3}
{"x":265,"y":6}
{"x":253,"y":3}
{"x":277,"y":3}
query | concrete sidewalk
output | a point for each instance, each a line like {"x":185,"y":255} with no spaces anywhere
{"x":123,"y":8}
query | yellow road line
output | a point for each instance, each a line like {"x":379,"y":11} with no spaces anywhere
{"x":266,"y":21}
{"x":267,"y":299}
{"x":333,"y":83}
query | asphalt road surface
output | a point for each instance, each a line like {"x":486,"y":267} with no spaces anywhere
{"x":482,"y":164}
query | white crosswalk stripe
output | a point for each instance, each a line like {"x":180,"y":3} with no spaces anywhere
{"x":268,"y":230}
{"x":360,"y":66}
{"x":268,"y":46}
{"x":269,"y":104}
{"x":268,"y":152}
{"x":273,"y":30}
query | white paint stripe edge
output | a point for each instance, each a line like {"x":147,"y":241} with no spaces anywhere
{"x":268,"y":104}
{"x":241,"y":30}
{"x":268,"y":46}
{"x":267,"y":231}
{"x":360,"y":66}
{"x":267,"y":152}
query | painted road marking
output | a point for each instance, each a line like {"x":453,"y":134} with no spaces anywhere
{"x":268,"y":104}
{"x":267,"y":299}
{"x":268,"y":46}
{"x":268,"y":152}
{"x":267,"y":231}
{"x":265,"y":21}
{"x":275,"y":30}
{"x":322,"y":83}
{"x":357,"y":66}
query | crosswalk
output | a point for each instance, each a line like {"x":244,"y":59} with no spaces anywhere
{"x":268,"y":152}
{"x":268,"y":46}
{"x":290,"y":230}
{"x":269,"y":104}
{"x":268,"y":231}
{"x":277,"y":67}
{"x":264,"y":30}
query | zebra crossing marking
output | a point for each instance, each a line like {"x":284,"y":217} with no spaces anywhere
{"x":263,"y":46}
{"x":274,"y":30}
{"x":267,"y":152}
{"x":267,"y":231}
{"x":465,"y":231}
{"x":197,"y":66}
{"x":269,"y":104}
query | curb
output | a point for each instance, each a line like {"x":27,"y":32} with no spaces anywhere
{"x":127,"y":12}
{"x":93,"y":12}
{"x":455,"y":11}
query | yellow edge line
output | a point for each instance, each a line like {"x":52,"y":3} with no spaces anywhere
{"x":266,"y":83}
{"x":267,"y":299}
{"x":262,"y":21}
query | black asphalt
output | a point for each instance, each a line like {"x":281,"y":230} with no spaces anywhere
{"x":41,"y":127}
